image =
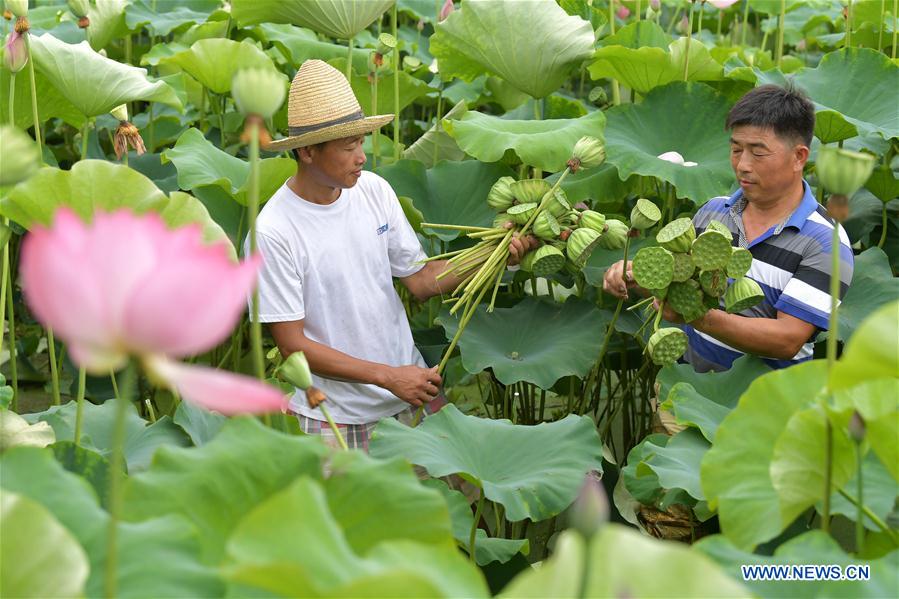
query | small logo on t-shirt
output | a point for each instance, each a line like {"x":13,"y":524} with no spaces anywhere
{"x":383,"y":228}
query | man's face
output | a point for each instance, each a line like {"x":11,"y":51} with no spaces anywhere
{"x":766,"y":166}
{"x":339,"y":162}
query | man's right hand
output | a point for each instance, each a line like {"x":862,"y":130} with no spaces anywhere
{"x":612,"y":282}
{"x":413,"y":384}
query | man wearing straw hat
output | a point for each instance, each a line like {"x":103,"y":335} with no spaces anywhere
{"x":333,"y":237}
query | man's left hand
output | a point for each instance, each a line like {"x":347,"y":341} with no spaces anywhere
{"x":519,"y":246}
{"x":668,"y":312}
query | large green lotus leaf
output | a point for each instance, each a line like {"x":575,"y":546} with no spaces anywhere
{"x":50,"y":103}
{"x":722,"y":388}
{"x":831,"y":127}
{"x":534,"y":341}
{"x":183,"y":209}
{"x":292,"y":545}
{"x":873,"y":351}
{"x":600,"y":184}
{"x":157,"y":558}
{"x":141,"y":441}
{"x":342,"y":19}
{"x":533,"y":471}
{"x":880,"y":493}
{"x":860,"y":84}
{"x":215,"y":485}
{"x":676,"y":463}
{"x":643,"y":483}
{"x":735,"y":473}
{"x":883,"y":184}
{"x":86,"y":463}
{"x":645,"y":68}
{"x":623,"y":562}
{"x":213,"y":62}
{"x":639,"y":34}
{"x":15,"y":431}
{"x":298,"y":45}
{"x":411,"y":88}
{"x":875,"y":400}
{"x":140,"y":15}
{"x":486,"y":549}
{"x":93,"y":83}
{"x":532,"y":45}
{"x":637,"y":133}
{"x":544,"y":144}
{"x":436,"y":144}
{"x":692,"y":408}
{"x":199,"y":424}
{"x":200,"y":163}
{"x":39,"y":557}
{"x":873,"y":285}
{"x":812,"y":547}
{"x":107,"y":22}
{"x":450,"y":192}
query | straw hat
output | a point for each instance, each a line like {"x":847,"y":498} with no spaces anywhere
{"x":322,"y":107}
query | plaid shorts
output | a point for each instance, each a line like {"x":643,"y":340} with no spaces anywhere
{"x":357,"y":435}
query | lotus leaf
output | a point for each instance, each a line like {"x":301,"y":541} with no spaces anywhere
{"x":875,"y":401}
{"x":872,"y":352}
{"x":636,"y":134}
{"x":544,"y":144}
{"x":676,"y":463}
{"x":15,"y":431}
{"x":91,"y":82}
{"x":298,"y":45}
{"x":213,"y":62}
{"x":722,"y":388}
{"x":411,"y":88}
{"x":86,"y":463}
{"x":691,"y":408}
{"x":199,"y":424}
{"x":50,"y":102}
{"x":436,"y":144}
{"x":450,"y":192}
{"x":533,"y":471}
{"x":141,"y":16}
{"x":534,"y":341}
{"x":639,"y":34}
{"x":489,"y":37}
{"x":643,"y":484}
{"x":880,"y":492}
{"x":600,"y":184}
{"x":617,"y":564}
{"x":872,"y":286}
{"x":342,"y":19}
{"x":883,"y":184}
{"x":39,"y":557}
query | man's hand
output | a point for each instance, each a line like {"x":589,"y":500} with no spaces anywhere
{"x":413,"y":384}
{"x":668,"y":312}
{"x":519,"y":246}
{"x":612,"y":282}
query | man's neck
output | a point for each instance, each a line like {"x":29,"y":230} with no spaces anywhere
{"x":308,"y":189}
{"x":771,"y":211}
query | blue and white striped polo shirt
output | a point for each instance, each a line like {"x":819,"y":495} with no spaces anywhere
{"x":791,"y":262}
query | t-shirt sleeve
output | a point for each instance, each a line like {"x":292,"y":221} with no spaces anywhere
{"x":807,"y":293}
{"x":403,"y":247}
{"x":280,"y":282}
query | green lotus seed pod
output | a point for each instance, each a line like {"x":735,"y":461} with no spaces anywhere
{"x":653,"y":267}
{"x":713,"y":282}
{"x":715,"y":225}
{"x":386,"y":44}
{"x":685,"y":298}
{"x":19,"y":157}
{"x":258,"y":91}
{"x":120,"y":112}
{"x":521,"y":213}
{"x":739,"y":263}
{"x":588,"y":152}
{"x":711,"y":251}
{"x":742,"y":294}
{"x":527,"y":262}
{"x":645,"y":214}
{"x":547,"y":260}
{"x":615,"y":235}
{"x":501,"y":219}
{"x":592,"y":220}
{"x":842,"y":171}
{"x":79,"y":8}
{"x":683,"y":267}
{"x":501,"y":196}
{"x":546,"y":226}
{"x":667,"y":345}
{"x":558,"y":203}
{"x":677,"y":236}
{"x":529,"y":191}
{"x":19,"y":8}
{"x":711,"y":302}
{"x":581,"y":244}
{"x":659,"y":293}
{"x":295,"y":370}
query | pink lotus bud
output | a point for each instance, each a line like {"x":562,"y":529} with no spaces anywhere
{"x":623,"y":12}
{"x":448,"y":7}
{"x":655,"y":4}
{"x":683,"y":26}
{"x":722,"y":4}
{"x":801,"y":45}
{"x":15,"y":54}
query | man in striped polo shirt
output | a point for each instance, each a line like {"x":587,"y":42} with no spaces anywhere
{"x":776,"y":217}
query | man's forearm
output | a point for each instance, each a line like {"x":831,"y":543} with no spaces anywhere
{"x":430,"y":285}
{"x":329,"y":363}
{"x":761,"y":336}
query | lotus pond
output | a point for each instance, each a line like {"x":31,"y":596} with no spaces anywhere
{"x":130,"y":174}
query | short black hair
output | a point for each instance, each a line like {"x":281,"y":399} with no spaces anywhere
{"x":296,"y":151}
{"x":785,"y":110}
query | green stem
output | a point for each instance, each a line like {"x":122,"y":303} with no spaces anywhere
{"x":611,"y":329}
{"x":79,"y":404}
{"x":833,"y":325}
{"x":255,"y":325}
{"x":745,"y":23}
{"x":883,"y":221}
{"x":780,"y":32}
{"x":895,"y":29}
{"x":10,"y":308}
{"x":689,"y":39}
{"x":396,"y":87}
{"x":3,"y":277}
{"x":84,"y":134}
{"x":37,"y":122}
{"x":375,"y":145}
{"x":474,"y":527}
{"x":673,"y":20}
{"x":883,"y":6}
{"x":701,"y":16}
{"x":12,"y":99}
{"x":638,"y":11}
{"x":349,"y":60}
{"x":585,"y":571}
{"x":54,"y":374}
{"x":333,"y":426}
{"x":894,"y":537}
{"x":616,"y":90}
{"x":849,"y":25}
{"x":860,"y":514}
{"x":828,"y":474}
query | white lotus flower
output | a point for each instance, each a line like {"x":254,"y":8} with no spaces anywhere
{"x":676,"y":158}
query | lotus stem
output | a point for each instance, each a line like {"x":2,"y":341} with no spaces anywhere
{"x":12,"y":98}
{"x":54,"y":373}
{"x":828,"y":473}
{"x":883,"y":221}
{"x":745,"y":25}
{"x":701,"y":16}
{"x":641,"y":303}
{"x":832,"y":331}
{"x":611,"y":329}
{"x":673,"y":20}
{"x":849,"y":25}
{"x":334,"y":427}
{"x":3,"y":277}
{"x":455,"y":227}
{"x":84,"y":136}
{"x":10,"y":308}
{"x":37,"y":122}
{"x":79,"y":405}
{"x":895,"y":30}
{"x":883,"y":6}
{"x":780,"y":32}
{"x":638,"y":11}
{"x":860,"y":513}
{"x":616,"y":90}
{"x":255,"y":325}
{"x":720,"y":23}
{"x":894,"y":537}
{"x":689,"y":39}
{"x":474,"y":527}
{"x":396,"y":87}
{"x":349,"y":61}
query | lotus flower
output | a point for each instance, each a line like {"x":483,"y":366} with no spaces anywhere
{"x":448,"y":7}
{"x":623,"y":12}
{"x":722,"y":4}
{"x":675,"y":158}
{"x":15,"y":54}
{"x":655,"y":4}
{"x":126,"y":286}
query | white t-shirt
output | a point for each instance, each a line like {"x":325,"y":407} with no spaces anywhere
{"x":332,"y":266}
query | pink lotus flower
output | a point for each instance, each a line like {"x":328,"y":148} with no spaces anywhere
{"x":448,"y":7}
{"x":722,"y":4}
{"x":15,"y":54}
{"x":623,"y":12}
{"x":128,"y":286}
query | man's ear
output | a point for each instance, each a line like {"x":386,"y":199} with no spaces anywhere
{"x":801,"y":154}
{"x":304,"y":154}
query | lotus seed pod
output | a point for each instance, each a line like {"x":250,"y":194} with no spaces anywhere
{"x":710,"y":302}
{"x":558,"y":203}
{"x":685,"y":298}
{"x":615,"y":235}
{"x":659,"y":293}
{"x":18,"y":155}
{"x":527,"y":262}
{"x":588,"y":152}
{"x":677,"y":236}
{"x":711,"y":251}
{"x":653,"y":267}
{"x":667,"y":345}
{"x":529,"y":191}
{"x":500,"y":196}
{"x":592,"y":220}
{"x":843,"y":172}
{"x":713,"y":282}
{"x":120,"y":112}
{"x":683,"y":267}
{"x":547,"y":260}
{"x":295,"y":370}
{"x":715,"y":225}
{"x":521,"y":213}
{"x":258,"y":91}
{"x":19,"y":7}
{"x":386,"y":44}
{"x":546,"y":226}
{"x":645,"y":214}
{"x":581,"y":244}
{"x":739,"y":263}
{"x":15,"y":52}
{"x":79,"y":8}
{"x":742,"y":294}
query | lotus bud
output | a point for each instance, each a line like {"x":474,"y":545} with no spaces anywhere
{"x":857,"y":428}
{"x":120,"y":112}
{"x":667,"y":345}
{"x":446,"y":10}
{"x":500,"y":197}
{"x":315,"y":397}
{"x":615,"y":236}
{"x":530,"y":190}
{"x":677,"y":236}
{"x":258,"y":91}
{"x":79,"y":8}
{"x":17,"y":7}
{"x":580,"y":245}
{"x":742,"y":294}
{"x":588,"y":152}
{"x":581,"y":206}
{"x":295,"y":370}
{"x":645,"y":214}
{"x":593,"y":220}
{"x":411,"y":62}
{"x":591,"y":508}
{"x":655,"y":4}
{"x":19,"y":156}
{"x":623,"y":12}
{"x":565,"y":234}
{"x":557,"y":203}
{"x":126,"y":135}
{"x":15,"y":54}
{"x":843,"y":172}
